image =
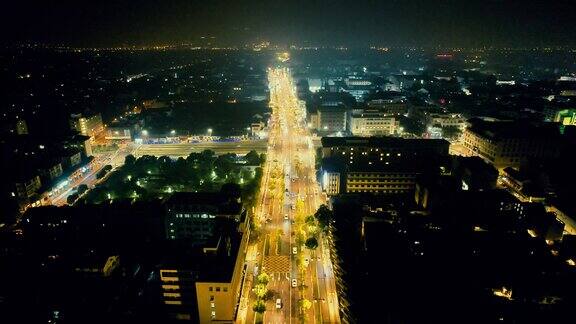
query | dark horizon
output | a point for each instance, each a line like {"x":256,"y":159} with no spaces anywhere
{"x":359,"y":23}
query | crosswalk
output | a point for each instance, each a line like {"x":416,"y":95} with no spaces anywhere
{"x":276,"y":264}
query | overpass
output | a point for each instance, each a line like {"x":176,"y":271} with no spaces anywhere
{"x":184,"y":149}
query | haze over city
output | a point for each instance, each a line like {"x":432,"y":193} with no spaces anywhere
{"x":451,"y":23}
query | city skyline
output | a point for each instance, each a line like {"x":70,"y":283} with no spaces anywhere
{"x":314,"y":23}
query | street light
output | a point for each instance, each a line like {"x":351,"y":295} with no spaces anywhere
{"x":173,"y":132}
{"x":144,"y":132}
{"x":209,"y":131}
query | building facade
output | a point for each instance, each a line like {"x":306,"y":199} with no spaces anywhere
{"x":446,"y":120}
{"x":377,"y":165}
{"x":373,"y":123}
{"x":389,"y":107}
{"x":205,"y":287}
{"x":385,"y":182}
{"x":87,"y":125}
{"x":332,"y":119}
{"x":509,"y":144}
{"x":28,"y":187}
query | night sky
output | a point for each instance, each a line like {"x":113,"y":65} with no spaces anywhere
{"x":328,"y":22}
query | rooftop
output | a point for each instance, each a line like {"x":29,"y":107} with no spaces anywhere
{"x":382,"y":142}
{"x":225,"y":203}
{"x":513,"y":129}
{"x":213,"y":262}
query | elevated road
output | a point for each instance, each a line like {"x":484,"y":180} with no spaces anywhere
{"x":184,"y":149}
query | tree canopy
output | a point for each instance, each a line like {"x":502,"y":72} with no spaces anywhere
{"x":311,"y":243}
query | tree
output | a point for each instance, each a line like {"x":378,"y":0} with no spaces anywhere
{"x":310,"y":219}
{"x":412,"y":126}
{"x":252,"y":158}
{"x":207,"y":154}
{"x":165,"y":164}
{"x":324,"y":215}
{"x":100,"y":174}
{"x":259,"y":307}
{"x":260,"y":290}
{"x":263,"y":278}
{"x":451,"y":132}
{"x":129,"y":160}
{"x":72,"y":199}
{"x":224,"y":164}
{"x":305,"y":304}
{"x":82,"y":189}
{"x":311,"y":243}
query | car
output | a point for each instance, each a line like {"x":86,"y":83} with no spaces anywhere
{"x":306,"y":262}
{"x":294,"y":283}
{"x":278,"y":303}
{"x":294,"y":250}
{"x":286,"y":216}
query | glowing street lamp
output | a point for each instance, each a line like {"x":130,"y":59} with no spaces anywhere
{"x":144,"y":132}
{"x":209,"y":131}
{"x":173,"y":132}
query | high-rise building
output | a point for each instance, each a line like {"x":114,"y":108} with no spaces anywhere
{"x":204,"y":284}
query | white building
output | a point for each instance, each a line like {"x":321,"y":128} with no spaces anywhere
{"x":445,"y":120}
{"x":373,"y":123}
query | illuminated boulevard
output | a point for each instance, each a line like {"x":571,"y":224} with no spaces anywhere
{"x":87,"y":175}
{"x":302,"y":279}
